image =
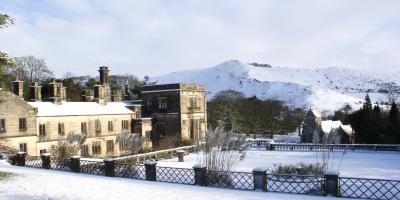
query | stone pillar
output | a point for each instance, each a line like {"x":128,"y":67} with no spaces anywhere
{"x":260,"y":178}
{"x":21,"y":158}
{"x":200,"y":174}
{"x":75,"y":164}
{"x":109,"y":166}
{"x":180,"y":154}
{"x":151,"y":172}
{"x":332,"y":183}
{"x":45,"y":160}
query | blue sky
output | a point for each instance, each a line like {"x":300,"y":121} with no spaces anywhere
{"x":154,"y":37}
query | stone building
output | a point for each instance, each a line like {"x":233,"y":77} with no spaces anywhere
{"x":315,"y":125}
{"x":178,"y":111}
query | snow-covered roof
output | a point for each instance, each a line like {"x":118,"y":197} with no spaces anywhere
{"x":328,"y":125}
{"x":80,"y":108}
{"x":347,"y":128}
{"x":316,"y":113}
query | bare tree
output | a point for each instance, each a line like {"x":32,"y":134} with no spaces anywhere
{"x":130,"y":143}
{"x":70,"y":146}
{"x":32,"y":69}
{"x":222,"y":150}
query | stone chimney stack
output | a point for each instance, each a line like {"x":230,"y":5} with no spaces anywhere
{"x":99,"y":94}
{"x":104,"y":75}
{"x":117,"y":96}
{"x":35,"y":92}
{"x":17,"y":88}
{"x":126,"y":91}
{"x":57,"y":92}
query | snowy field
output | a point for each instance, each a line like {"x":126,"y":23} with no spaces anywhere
{"x":41,"y":184}
{"x":383,"y":165}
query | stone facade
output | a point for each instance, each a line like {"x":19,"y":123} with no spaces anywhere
{"x":171,"y":110}
{"x":177,"y":111}
{"x":18,"y":122}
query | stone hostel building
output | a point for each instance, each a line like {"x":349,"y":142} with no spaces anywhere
{"x":34,"y":126}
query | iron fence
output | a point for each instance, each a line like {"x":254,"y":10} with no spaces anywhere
{"x":328,"y":147}
{"x":92,"y":167}
{"x":130,"y":171}
{"x":33,"y":161}
{"x":175,"y":175}
{"x":233,"y":180}
{"x":299,"y":184}
{"x":369,"y":188}
{"x":60,"y":164}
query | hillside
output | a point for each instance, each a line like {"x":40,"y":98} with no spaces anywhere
{"x":323,"y":88}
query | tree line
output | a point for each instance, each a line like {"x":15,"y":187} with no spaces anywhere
{"x":251,"y":115}
{"x":375,"y":125}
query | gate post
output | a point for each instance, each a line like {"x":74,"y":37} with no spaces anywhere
{"x":109,"y":167}
{"x":21,"y":158}
{"x":45,"y":160}
{"x":75,"y":164}
{"x":151,"y":171}
{"x":260,"y":178}
{"x":332,"y":183}
{"x":200,"y":174}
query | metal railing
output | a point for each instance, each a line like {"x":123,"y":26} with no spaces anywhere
{"x":298,"y":184}
{"x":327,"y":147}
{"x":233,"y":180}
{"x":369,"y":188}
{"x":175,"y":175}
{"x":33,"y":161}
{"x":130,"y":171}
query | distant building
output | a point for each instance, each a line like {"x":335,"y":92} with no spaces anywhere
{"x":177,"y":111}
{"x":33,"y":127}
{"x":315,"y":126}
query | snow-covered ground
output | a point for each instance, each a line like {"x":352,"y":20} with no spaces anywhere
{"x":384,"y":165}
{"x":39,"y":184}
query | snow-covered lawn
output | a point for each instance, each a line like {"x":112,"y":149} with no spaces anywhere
{"x":41,"y":184}
{"x":383,"y":165}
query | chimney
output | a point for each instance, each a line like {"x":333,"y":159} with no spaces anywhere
{"x":126,"y":91}
{"x":57,"y":92}
{"x":17,"y":88}
{"x":117,"y":96}
{"x":104,"y":75}
{"x":99,"y":94}
{"x":35,"y":92}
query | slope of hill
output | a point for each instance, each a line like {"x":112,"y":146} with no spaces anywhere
{"x":324,"y":88}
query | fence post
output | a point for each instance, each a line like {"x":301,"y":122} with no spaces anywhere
{"x":200,"y":174}
{"x":21,"y":158}
{"x":332,"y":183}
{"x":109,"y":167}
{"x":180,"y":154}
{"x":260,"y":178}
{"x":45,"y":160}
{"x":75,"y":164}
{"x":151,"y":172}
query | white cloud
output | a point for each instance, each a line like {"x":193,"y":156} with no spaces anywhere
{"x":154,"y":37}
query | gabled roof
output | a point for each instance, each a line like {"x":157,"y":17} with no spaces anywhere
{"x":329,"y":125}
{"x":47,"y":109}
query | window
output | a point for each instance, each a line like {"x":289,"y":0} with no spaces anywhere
{"x":23,"y":147}
{"x":61,"y":130}
{"x":22,"y":124}
{"x":2,"y":125}
{"x":85,"y":150}
{"x":96,"y":147}
{"x":162,"y":103}
{"x":42,"y":151}
{"x":110,"y":126}
{"x":122,"y":145}
{"x":138,"y":114}
{"x":192,"y":102}
{"x":194,"y":128}
{"x":83,"y":127}
{"x":125,"y":124}
{"x":42,"y":130}
{"x":97,"y":125}
{"x":161,"y":130}
{"x":149,"y":102}
{"x":110,"y":146}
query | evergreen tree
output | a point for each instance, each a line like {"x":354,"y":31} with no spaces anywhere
{"x":367,"y":104}
{"x":394,"y":126}
{"x":394,"y":114}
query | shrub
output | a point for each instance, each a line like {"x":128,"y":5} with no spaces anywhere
{"x":298,"y":169}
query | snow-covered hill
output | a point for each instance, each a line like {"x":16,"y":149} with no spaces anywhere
{"x":324,"y":88}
